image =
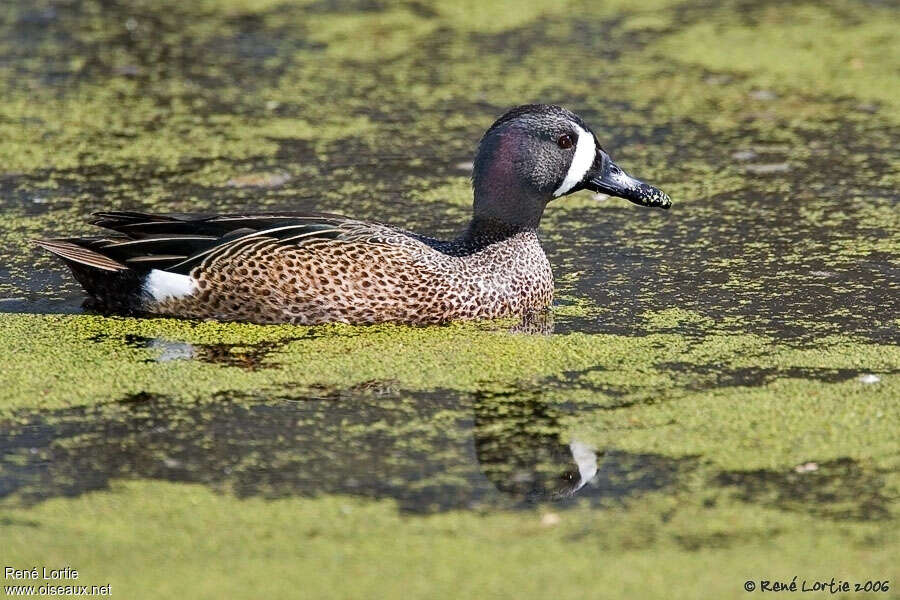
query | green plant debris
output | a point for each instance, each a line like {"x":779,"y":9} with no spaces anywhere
{"x":658,"y":546}
{"x":739,"y":400}
{"x":733,"y":359}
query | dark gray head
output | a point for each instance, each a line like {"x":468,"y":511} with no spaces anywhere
{"x":538,"y":152}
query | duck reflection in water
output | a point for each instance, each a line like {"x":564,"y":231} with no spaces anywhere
{"x":520,"y":449}
{"x":429,"y":451}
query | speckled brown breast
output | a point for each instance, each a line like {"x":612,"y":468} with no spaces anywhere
{"x":374,"y":275}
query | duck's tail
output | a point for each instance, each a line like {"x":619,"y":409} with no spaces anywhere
{"x":110,"y":284}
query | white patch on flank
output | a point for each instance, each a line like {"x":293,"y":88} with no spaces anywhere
{"x":585,"y":150}
{"x":163,"y":285}
{"x":586,"y":459}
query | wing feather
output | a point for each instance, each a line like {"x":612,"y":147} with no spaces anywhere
{"x":178,"y":243}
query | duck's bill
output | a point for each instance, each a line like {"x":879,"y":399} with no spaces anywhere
{"x":610,"y":179}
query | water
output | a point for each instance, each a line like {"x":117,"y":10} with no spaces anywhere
{"x":710,"y":376}
{"x":432,"y":451}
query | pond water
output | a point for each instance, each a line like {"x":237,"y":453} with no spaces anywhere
{"x":720,"y":377}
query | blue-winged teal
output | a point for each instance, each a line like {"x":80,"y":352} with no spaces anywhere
{"x":318,"y":268}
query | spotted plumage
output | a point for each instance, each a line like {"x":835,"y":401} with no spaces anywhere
{"x":319,"y":268}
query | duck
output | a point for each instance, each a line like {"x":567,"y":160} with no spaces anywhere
{"x":316,"y":268}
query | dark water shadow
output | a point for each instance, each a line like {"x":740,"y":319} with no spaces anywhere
{"x":713,"y":376}
{"x":429,"y":451}
{"x":838,"y":489}
{"x":41,"y":305}
{"x":247,"y":356}
{"x":693,"y":376}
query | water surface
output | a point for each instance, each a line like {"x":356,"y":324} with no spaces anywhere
{"x":720,"y":377}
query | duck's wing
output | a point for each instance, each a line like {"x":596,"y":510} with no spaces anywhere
{"x":178,"y":243}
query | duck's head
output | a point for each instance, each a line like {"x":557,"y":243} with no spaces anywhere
{"x":539,"y":152}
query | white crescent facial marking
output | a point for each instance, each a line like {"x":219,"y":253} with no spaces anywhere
{"x":585,"y":150}
{"x":586,"y":459}
{"x":163,"y":285}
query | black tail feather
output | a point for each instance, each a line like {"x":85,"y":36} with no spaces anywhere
{"x":111,"y":285}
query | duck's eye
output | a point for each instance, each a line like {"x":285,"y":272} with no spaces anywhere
{"x":565,"y":141}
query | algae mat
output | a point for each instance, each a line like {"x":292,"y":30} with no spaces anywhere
{"x":714,"y":399}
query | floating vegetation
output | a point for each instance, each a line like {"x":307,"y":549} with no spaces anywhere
{"x":729,"y":368}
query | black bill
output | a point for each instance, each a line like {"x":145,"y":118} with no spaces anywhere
{"x":607,"y":177}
